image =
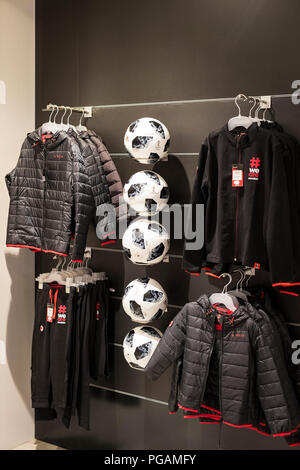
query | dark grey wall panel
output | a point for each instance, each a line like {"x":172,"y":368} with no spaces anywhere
{"x":126,"y":379}
{"x":122,"y":422}
{"x":121,"y":324}
{"x":134,"y":51}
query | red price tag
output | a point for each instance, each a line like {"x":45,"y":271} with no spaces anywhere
{"x":50,"y":310}
{"x":237,"y":176}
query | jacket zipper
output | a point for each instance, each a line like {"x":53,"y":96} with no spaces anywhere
{"x":208,"y":364}
{"x":220,"y":371}
{"x":44,"y":189}
{"x":237,"y":203}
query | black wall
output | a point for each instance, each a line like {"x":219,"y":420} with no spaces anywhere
{"x":95,"y":53}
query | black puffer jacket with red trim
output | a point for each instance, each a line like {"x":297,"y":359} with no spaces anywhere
{"x":236,"y":371}
{"x":50,"y":196}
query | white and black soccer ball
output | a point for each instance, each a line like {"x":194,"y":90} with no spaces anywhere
{"x":145,"y":242}
{"x":147,"y":140}
{"x":144,"y":300}
{"x":146,"y":192}
{"x":139,"y":345}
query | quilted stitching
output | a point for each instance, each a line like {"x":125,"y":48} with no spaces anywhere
{"x":254,"y":382}
{"x":45,"y":214}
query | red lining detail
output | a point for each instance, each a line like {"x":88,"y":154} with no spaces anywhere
{"x":187,"y":409}
{"x":37,"y":249}
{"x":210,"y":408}
{"x":260,"y":432}
{"x":238,"y":425}
{"x":212,"y":275}
{"x":208,"y":422}
{"x":54,"y":252}
{"x":286,"y":284}
{"x":25,"y":246}
{"x":293,"y":445}
{"x":286,"y":433}
{"x":287,"y":292}
{"x":108,"y":234}
{"x":216,"y":418}
{"x":106,"y":243}
{"x":247,"y":426}
{"x":192,"y":274}
{"x":77,"y":261}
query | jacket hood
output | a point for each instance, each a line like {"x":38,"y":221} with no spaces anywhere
{"x":239,"y":315}
{"x":36,"y":137}
{"x":246,"y":138}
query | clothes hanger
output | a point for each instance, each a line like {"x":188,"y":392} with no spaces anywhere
{"x":56,"y":128}
{"x":84,"y":269}
{"x":256,"y":118}
{"x":80,"y":127}
{"x":250,"y":111}
{"x":264,"y":116}
{"x":239,"y":292}
{"x":63,"y":127}
{"x":251,"y":273}
{"x":43,"y":276}
{"x":49,"y":126}
{"x":239,"y":120}
{"x":55,"y":275}
{"x":230,"y":301}
{"x":68,"y":120}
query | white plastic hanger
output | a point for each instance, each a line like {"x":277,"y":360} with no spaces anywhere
{"x":264,"y":116}
{"x":80,"y":127}
{"x":256,"y":118}
{"x":230,"y":301}
{"x":68,"y":120}
{"x":239,"y":120}
{"x":251,"y":98}
{"x":49,"y":126}
{"x":55,"y":275}
{"x":63,"y":126}
{"x":239,"y":292}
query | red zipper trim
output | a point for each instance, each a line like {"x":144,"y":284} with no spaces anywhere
{"x":216,"y":418}
{"x":289,"y":293}
{"x":237,"y":207}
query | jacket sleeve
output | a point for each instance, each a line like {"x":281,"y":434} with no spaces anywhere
{"x":285,"y":339}
{"x":279,"y":221}
{"x":115,"y":186}
{"x":8,"y":180}
{"x":192,"y":258}
{"x":83,"y":204}
{"x":274,"y":389}
{"x":170,"y":347}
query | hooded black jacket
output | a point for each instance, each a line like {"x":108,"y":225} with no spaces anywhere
{"x":50,"y":196}
{"x":249,"y":225}
{"x":252,"y":381}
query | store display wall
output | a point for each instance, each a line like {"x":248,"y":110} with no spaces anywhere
{"x":128,"y":53}
{"x":17,"y":28}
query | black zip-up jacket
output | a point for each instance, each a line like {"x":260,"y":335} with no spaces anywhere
{"x":50,"y":196}
{"x":249,"y":225}
{"x":253,"y":382}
